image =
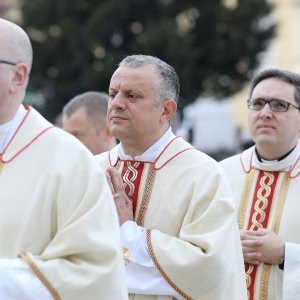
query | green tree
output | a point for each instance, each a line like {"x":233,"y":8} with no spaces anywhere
{"x":78,"y":43}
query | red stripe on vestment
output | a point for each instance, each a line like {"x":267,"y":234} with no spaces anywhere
{"x":131,"y":175}
{"x":259,"y":216}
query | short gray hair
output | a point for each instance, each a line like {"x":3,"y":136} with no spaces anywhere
{"x":283,"y":75}
{"x":95,"y":104}
{"x":167,"y":85}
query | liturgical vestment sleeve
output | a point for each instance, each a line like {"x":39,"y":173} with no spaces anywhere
{"x":186,"y":208}
{"x":57,"y":214}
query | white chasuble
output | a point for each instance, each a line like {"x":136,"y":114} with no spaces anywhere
{"x":57,"y":214}
{"x":267,"y":199}
{"x":187,"y":210}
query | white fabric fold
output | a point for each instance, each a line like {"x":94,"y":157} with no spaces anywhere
{"x":17,"y":281}
{"x":142,"y":276}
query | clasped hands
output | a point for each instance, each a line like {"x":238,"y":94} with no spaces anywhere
{"x":123,"y":203}
{"x":262,"y":246}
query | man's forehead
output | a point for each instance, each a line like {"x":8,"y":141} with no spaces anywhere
{"x":274,"y":86}
{"x":131,"y":77}
{"x":137,"y":73}
{"x":274,"y":81}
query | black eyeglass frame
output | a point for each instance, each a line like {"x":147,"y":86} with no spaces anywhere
{"x":288,"y":104}
{"x":7,"y":62}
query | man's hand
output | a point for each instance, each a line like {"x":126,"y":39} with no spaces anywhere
{"x":262,"y":246}
{"x":122,"y":202}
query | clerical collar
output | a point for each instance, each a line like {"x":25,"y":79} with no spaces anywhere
{"x":8,"y":129}
{"x":275,"y":160}
{"x":152,"y":153}
{"x":285,"y":162}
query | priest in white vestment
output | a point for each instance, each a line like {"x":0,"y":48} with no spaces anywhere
{"x":265,"y":181}
{"x":178,"y":224}
{"x":59,"y":233}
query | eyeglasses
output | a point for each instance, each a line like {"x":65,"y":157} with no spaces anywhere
{"x":7,"y":62}
{"x":276,"y":105}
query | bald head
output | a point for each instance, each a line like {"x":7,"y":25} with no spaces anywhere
{"x":15,"y":44}
{"x":15,"y":66}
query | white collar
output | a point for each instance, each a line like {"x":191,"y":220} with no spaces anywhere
{"x":8,"y":129}
{"x":152,"y":153}
{"x":283,"y":165}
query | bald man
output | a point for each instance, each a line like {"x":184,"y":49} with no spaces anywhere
{"x":59,"y":227}
{"x":84,"y":116}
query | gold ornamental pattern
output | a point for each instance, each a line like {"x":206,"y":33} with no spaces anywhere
{"x":262,"y":201}
{"x":146,"y":196}
{"x":259,"y":215}
{"x":129,"y":178}
{"x":264,"y":183}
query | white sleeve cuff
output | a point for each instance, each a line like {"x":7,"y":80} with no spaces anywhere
{"x":142,"y":276}
{"x":291,"y":274}
{"x":17,"y":281}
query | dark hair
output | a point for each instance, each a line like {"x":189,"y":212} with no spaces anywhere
{"x":95,"y":104}
{"x":283,"y":75}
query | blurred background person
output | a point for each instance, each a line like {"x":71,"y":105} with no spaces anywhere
{"x":208,"y":124}
{"x":84,"y":116}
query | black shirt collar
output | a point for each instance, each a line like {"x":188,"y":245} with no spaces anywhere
{"x":278,"y":159}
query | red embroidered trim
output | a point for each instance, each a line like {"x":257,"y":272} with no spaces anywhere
{"x":241,"y":160}
{"x":27,"y":114}
{"x":293,"y":169}
{"x":131,"y":175}
{"x":171,"y":159}
{"x":259,"y":216}
{"x":153,"y":163}
{"x":251,"y":166}
{"x":26,"y":146}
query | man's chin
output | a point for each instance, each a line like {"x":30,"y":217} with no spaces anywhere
{"x":265,"y":141}
{"x":116,"y":132}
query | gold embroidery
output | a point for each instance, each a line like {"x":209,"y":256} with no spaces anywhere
{"x":41,"y":276}
{"x":159,"y":268}
{"x":244,"y":199}
{"x":262,"y":201}
{"x":248,"y":272}
{"x":118,"y":165}
{"x":275,"y":227}
{"x":258,"y":217}
{"x":131,"y":170}
{"x":146,"y":196}
{"x":281,"y":200}
{"x":264,"y":283}
{"x":126,"y":255}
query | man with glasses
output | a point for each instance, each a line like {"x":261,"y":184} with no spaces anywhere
{"x":59,"y":234}
{"x":6,"y":62}
{"x":265,"y":180}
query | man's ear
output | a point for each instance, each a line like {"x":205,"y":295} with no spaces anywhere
{"x":169,"y":109}
{"x":20,"y":76}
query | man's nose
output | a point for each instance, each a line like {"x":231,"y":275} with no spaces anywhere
{"x":118,"y":101}
{"x":266,"y":111}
